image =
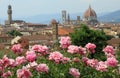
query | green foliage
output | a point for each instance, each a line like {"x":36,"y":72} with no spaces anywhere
{"x":83,"y":35}
{"x":14,"y":33}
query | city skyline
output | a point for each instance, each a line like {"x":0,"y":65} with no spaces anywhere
{"x":43,"y":8}
{"x":26,"y":8}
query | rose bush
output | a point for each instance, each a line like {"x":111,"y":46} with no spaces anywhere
{"x":70,"y":61}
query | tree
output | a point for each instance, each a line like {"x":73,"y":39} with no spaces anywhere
{"x":14,"y":33}
{"x":83,"y":35}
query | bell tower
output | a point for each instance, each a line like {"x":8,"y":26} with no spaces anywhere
{"x":68,"y":20}
{"x":9,"y":11}
{"x":63,"y":16}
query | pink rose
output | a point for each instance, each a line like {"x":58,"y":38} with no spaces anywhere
{"x":85,"y":59}
{"x":65,"y":60}
{"x":12,"y":62}
{"x":17,"y":48}
{"x":43,"y":50}
{"x":7,"y":74}
{"x":64,"y":42}
{"x":111,"y":62}
{"x":56,"y":56}
{"x":82,"y":51}
{"x":20,"y":60}
{"x":33,"y":64}
{"x":42,"y":68}
{"x":76,"y":59}
{"x":5,"y":61}
{"x":74,"y":72}
{"x":108,"y":55}
{"x":92,"y":62}
{"x":102,"y":66}
{"x":23,"y":73}
{"x":30,"y":56}
{"x":73,"y":49}
{"x":35,"y":47}
{"x":91,"y":47}
{"x":109,"y":49}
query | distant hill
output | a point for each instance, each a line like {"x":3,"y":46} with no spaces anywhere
{"x":46,"y":18}
{"x":110,"y":17}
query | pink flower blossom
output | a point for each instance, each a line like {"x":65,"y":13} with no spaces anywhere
{"x":91,"y":47}
{"x":42,"y":68}
{"x":41,"y":49}
{"x":7,"y":74}
{"x":108,"y":55}
{"x":56,"y":56}
{"x":109,"y":49}
{"x":20,"y":60}
{"x":92,"y":62}
{"x":23,"y":73}
{"x":28,"y":66}
{"x":30,"y":56}
{"x":102,"y":66}
{"x":85,"y":59}
{"x":17,"y":48}
{"x":36,"y":47}
{"x":82,"y":51}
{"x":65,"y":42}
{"x":65,"y":60}
{"x":6,"y":61}
{"x":73,"y":49}
{"x":76,"y":59}
{"x":111,"y":62}
{"x":12,"y":62}
{"x":33,"y":64}
{"x":74,"y":72}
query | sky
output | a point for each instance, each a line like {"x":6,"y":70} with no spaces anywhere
{"x":26,"y":8}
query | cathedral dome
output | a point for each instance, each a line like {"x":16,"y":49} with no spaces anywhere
{"x":89,"y":12}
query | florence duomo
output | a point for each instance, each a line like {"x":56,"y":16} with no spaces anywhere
{"x":89,"y":17}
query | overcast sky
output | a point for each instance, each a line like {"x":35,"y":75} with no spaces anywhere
{"x":34,"y":7}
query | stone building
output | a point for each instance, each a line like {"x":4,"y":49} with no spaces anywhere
{"x":54,"y":25}
{"x":90,"y":16}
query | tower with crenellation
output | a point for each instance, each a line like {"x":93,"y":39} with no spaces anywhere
{"x":9,"y":12}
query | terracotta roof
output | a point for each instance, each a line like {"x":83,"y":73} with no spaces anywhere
{"x":38,"y":37}
{"x":114,"y":41}
{"x":64,"y":31}
{"x":31,"y":24}
{"x":89,"y":12}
